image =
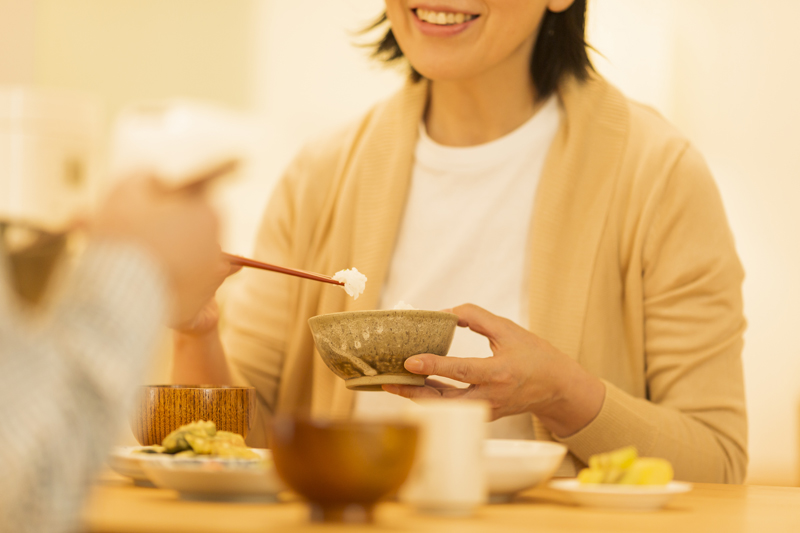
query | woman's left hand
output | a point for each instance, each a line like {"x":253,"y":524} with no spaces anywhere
{"x":525,"y":375}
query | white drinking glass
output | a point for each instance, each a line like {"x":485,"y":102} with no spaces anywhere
{"x":448,"y":477}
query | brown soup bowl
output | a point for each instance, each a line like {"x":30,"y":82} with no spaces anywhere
{"x":160,"y":409}
{"x":342,"y":468}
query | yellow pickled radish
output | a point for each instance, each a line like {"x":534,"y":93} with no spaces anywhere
{"x":590,"y":475}
{"x":618,"y":459}
{"x":648,"y":471}
{"x":625,"y":467}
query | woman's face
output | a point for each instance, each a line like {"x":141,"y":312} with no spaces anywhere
{"x":461,"y":39}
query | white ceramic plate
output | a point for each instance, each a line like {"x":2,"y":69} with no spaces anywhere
{"x":623,"y":497}
{"x":216,"y":479}
{"x":126,"y":461}
{"x":515,"y":465}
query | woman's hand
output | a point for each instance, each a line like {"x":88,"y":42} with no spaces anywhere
{"x":525,"y":375}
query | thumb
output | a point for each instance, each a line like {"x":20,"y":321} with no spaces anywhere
{"x":481,"y":321}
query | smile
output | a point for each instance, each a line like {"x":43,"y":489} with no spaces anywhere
{"x":441,"y":18}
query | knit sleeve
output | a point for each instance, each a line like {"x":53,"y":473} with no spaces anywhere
{"x":67,"y":381}
{"x":255,"y":316}
{"x":694,"y":414}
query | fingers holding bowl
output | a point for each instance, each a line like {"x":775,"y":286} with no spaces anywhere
{"x":464,"y":369}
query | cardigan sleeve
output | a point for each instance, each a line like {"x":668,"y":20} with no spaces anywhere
{"x":253,"y":325}
{"x":694,"y":414}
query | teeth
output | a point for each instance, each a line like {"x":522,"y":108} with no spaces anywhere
{"x":443,"y":19}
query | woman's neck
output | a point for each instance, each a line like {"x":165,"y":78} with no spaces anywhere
{"x":483,"y":108}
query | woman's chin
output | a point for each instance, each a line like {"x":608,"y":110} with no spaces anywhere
{"x":446,"y":71}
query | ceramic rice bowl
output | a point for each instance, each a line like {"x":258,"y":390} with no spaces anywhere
{"x":367,"y":349}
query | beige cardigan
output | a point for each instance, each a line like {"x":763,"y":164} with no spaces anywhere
{"x":633,"y":273}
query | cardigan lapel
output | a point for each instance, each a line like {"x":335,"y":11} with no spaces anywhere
{"x":379,"y":166}
{"x":571,"y":209}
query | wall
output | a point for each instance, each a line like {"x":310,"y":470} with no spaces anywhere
{"x":125,"y":50}
{"x":311,"y":76}
{"x":17,"y":44}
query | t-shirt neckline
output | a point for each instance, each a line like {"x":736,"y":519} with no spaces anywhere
{"x":439,"y":157}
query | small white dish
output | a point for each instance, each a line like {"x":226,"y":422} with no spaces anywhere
{"x":127,"y":461}
{"x":515,"y":465}
{"x":621,"y":497}
{"x":201,"y":478}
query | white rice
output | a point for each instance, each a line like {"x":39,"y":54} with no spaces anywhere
{"x":401,"y":305}
{"x":354,"y":281}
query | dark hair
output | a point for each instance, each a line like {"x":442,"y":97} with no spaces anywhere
{"x":560,"y":48}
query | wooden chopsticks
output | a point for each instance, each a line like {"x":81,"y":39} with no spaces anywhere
{"x":243,"y":261}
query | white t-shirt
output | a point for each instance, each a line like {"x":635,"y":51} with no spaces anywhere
{"x":464,"y":239}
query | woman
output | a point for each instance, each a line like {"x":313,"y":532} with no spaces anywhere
{"x":615,"y":293}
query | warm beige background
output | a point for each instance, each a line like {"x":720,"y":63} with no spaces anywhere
{"x":723,"y":70}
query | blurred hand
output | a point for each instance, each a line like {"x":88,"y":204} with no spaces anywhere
{"x":525,"y":375}
{"x":179,"y":228}
{"x":207,"y":318}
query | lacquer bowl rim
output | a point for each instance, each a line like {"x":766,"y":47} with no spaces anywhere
{"x":338,"y":425}
{"x":197,"y":387}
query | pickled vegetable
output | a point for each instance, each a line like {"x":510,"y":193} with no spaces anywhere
{"x":625,"y":467}
{"x":202,"y":438}
{"x":181,"y":439}
{"x":648,"y":471}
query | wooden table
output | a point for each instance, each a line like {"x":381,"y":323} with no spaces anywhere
{"x":117,"y":506}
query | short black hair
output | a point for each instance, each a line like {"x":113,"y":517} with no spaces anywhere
{"x":560,"y":48}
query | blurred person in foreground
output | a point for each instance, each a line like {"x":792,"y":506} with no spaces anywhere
{"x":68,"y":371}
{"x":585,"y":231}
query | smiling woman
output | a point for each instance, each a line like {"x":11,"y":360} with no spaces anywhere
{"x":563,"y":32}
{"x":585,"y":232}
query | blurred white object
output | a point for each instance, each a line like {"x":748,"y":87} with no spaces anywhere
{"x":448,"y":476}
{"x":515,"y":465}
{"x":49,"y":154}
{"x":176,"y":140}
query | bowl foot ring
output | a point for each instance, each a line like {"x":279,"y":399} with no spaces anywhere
{"x":373,"y":383}
{"x":342,"y":513}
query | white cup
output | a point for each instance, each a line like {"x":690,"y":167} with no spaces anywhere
{"x":448,"y":477}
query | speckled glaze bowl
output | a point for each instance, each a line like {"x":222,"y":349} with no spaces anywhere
{"x":367,"y":349}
